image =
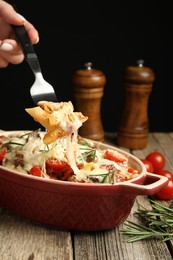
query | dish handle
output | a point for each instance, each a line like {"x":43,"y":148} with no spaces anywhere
{"x":152,"y":184}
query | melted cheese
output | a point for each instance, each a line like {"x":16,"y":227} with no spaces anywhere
{"x":60,"y":141}
{"x":28,"y":149}
{"x":60,"y":120}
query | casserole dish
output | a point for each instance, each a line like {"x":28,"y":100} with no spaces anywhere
{"x":76,"y":206}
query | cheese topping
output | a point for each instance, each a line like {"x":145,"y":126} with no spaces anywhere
{"x":25,"y":151}
{"x":60,"y":120}
{"x":59,"y":153}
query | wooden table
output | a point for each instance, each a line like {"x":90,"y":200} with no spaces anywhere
{"x":22,"y":239}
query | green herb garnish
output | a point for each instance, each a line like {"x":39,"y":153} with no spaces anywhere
{"x":29,"y":133}
{"x":89,"y":155}
{"x":110,"y":176}
{"x":158,"y":223}
{"x":83,"y":141}
{"x":10,"y":142}
{"x":104,"y":176}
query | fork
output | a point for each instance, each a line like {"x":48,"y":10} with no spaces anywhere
{"x":41,"y":90}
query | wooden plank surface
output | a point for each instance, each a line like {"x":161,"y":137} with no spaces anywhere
{"x":23,"y":239}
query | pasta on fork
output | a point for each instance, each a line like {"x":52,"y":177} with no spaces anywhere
{"x":59,"y":119}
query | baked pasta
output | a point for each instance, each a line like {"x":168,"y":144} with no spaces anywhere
{"x":26,"y":153}
{"x":59,"y":152}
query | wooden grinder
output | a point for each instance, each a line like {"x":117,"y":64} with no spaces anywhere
{"x":88,"y":92}
{"x":134,"y":126}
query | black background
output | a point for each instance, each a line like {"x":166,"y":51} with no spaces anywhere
{"x":110,"y":35}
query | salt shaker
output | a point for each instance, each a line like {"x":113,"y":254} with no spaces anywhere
{"x":89,"y":86}
{"x":134,"y":124}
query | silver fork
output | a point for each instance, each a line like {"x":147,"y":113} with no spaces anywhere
{"x":41,"y":90}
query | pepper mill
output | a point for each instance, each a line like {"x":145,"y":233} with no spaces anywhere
{"x":134,"y":124}
{"x":88,"y":92}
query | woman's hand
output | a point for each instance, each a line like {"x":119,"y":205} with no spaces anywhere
{"x":10,"y":50}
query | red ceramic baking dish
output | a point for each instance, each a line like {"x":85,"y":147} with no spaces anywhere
{"x":76,"y":206}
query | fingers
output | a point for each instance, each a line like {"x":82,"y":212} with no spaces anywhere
{"x":10,"y":52}
{"x":32,"y":32}
{"x":3,"y":63}
{"x":10,"y":16}
{"x":10,"y":49}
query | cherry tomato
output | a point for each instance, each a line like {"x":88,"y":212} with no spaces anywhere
{"x":54,"y":165}
{"x":58,"y":169}
{"x":114,"y":156}
{"x":165,"y":173}
{"x":148,"y":165}
{"x":3,"y":151}
{"x":166,"y":193}
{"x":157,"y":159}
{"x":36,"y":171}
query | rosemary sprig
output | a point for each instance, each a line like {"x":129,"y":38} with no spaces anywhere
{"x":30,"y":133}
{"x":108,"y":177}
{"x":82,"y":141}
{"x":104,"y":176}
{"x":10,"y":143}
{"x":158,"y":223}
{"x":89,"y":154}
